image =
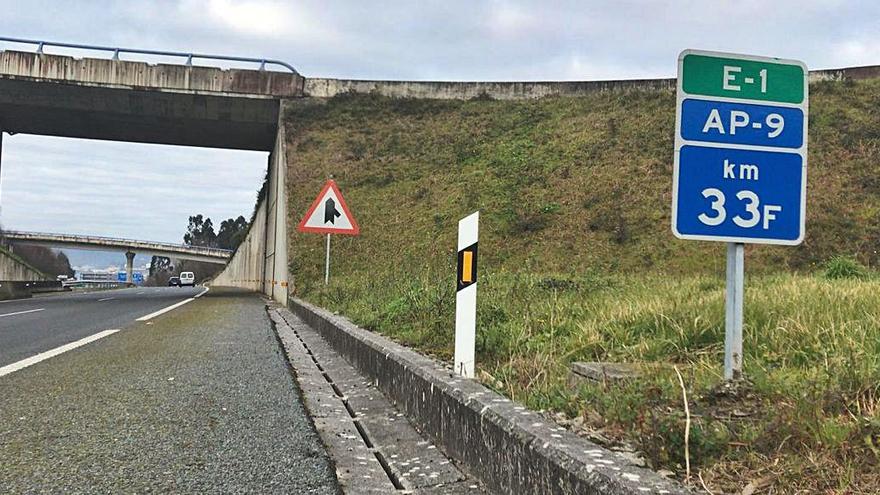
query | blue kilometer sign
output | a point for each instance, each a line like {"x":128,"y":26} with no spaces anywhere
{"x":740,"y":161}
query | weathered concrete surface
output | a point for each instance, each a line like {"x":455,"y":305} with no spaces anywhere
{"x":14,"y":290}
{"x":509,"y":448}
{"x":360,"y":426}
{"x":138,"y":102}
{"x":445,"y":90}
{"x":601,"y":372}
{"x":463,"y":90}
{"x":245,"y":268}
{"x":151,"y":77}
{"x":260,"y":262}
{"x":14,"y":269}
{"x":179,"y":251}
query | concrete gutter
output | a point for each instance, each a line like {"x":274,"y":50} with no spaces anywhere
{"x":500,"y":442}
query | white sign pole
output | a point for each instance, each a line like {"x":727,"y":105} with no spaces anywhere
{"x":733,"y":307}
{"x":466,"y":296}
{"x":327,"y":263}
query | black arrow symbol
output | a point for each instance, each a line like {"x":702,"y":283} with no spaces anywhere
{"x":330,"y":211}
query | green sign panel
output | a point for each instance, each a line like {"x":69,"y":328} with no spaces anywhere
{"x":742,"y":78}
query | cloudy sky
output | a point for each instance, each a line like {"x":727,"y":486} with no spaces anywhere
{"x":147,"y":192}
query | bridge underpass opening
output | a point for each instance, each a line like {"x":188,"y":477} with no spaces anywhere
{"x":89,"y":190}
{"x":47,"y":181}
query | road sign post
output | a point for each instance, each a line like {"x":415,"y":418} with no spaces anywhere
{"x":740,"y":172}
{"x":466,"y":295}
{"x":327,"y":263}
{"x":329,"y":214}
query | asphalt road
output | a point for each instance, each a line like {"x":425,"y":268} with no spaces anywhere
{"x":32,"y":326}
{"x":198,"y":400}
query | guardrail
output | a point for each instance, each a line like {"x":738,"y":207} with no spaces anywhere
{"x":92,"y":284}
{"x":40,"y":44}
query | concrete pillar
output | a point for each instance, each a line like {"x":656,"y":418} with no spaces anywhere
{"x":129,"y":268}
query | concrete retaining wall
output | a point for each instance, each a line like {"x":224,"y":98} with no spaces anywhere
{"x":14,"y":290}
{"x":13,"y":269}
{"x":260,"y":262}
{"x":445,"y":90}
{"x":326,"y":88}
{"x":245,"y":269}
{"x":510,"y":449}
{"x":275,"y":283}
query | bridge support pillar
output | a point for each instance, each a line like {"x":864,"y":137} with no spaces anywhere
{"x":129,"y":268}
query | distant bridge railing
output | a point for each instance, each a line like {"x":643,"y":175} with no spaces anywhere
{"x":16,"y":235}
{"x":40,"y":44}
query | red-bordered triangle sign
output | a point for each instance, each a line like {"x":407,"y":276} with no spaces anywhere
{"x":329,"y":214}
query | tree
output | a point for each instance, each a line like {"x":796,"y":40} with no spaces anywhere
{"x":232,"y":232}
{"x":200,"y":232}
{"x":160,"y":269}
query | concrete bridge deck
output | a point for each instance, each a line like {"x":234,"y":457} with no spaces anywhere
{"x":120,"y":100}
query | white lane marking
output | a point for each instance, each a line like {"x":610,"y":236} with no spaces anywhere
{"x":169,"y":308}
{"x":23,"y":312}
{"x":165,"y":310}
{"x":141,"y":292}
{"x":24,"y":363}
{"x":202,"y":293}
{"x":106,"y":299}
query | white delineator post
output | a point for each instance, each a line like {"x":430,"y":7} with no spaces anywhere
{"x":466,"y":295}
{"x":733,"y":307}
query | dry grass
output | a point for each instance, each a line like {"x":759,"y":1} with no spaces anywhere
{"x":577,"y":263}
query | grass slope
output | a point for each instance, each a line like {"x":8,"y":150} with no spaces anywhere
{"x":578,"y":263}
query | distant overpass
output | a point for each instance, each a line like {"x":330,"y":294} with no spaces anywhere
{"x":128,"y":246}
{"x":96,"y":243}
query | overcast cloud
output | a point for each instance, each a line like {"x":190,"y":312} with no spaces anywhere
{"x":147,"y":191}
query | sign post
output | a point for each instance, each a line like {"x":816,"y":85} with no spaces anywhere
{"x":327,"y":263}
{"x":740,"y":173}
{"x":329,"y":215}
{"x":466,"y":295}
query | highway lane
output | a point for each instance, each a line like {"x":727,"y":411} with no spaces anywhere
{"x":29,"y":327}
{"x":199,"y":400}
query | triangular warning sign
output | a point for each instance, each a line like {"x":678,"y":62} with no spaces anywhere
{"x":329,"y":214}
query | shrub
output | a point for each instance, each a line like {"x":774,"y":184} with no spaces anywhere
{"x":842,"y":267}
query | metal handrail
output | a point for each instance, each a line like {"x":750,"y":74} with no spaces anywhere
{"x":116,"y":51}
{"x":21,"y":235}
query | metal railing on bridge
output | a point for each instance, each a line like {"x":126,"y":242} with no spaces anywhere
{"x":22,"y":236}
{"x":189,"y":56}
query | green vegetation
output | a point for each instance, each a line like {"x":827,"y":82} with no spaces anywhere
{"x":578,"y":263}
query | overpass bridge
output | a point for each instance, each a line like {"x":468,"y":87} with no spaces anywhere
{"x":128,"y":246}
{"x":178,"y":104}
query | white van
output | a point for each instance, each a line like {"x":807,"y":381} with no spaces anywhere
{"x":187,"y":278}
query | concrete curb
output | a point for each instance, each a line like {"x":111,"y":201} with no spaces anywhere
{"x":500,"y":442}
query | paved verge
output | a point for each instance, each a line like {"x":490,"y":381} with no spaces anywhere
{"x":199,"y":400}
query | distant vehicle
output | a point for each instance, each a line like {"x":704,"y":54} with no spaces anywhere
{"x":187,"y":278}
{"x":174,"y":282}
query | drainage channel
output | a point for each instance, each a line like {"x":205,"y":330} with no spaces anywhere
{"x":357,"y":424}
